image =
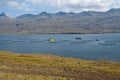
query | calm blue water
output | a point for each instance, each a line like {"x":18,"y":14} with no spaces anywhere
{"x":106,"y":48}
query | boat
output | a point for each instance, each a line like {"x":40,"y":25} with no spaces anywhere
{"x":97,"y":40}
{"x":78,"y":38}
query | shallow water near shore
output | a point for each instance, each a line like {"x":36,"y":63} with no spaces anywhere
{"x":83,"y":46}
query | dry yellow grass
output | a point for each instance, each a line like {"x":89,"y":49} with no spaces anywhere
{"x":49,"y":67}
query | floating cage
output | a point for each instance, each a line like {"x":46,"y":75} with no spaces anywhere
{"x":51,"y":40}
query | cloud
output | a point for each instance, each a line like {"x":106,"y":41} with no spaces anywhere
{"x":20,"y":6}
{"x":36,"y":1}
{"x":61,"y":5}
{"x":87,"y":5}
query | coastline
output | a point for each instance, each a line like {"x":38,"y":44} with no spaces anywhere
{"x":58,"y":33}
{"x":66,"y":32}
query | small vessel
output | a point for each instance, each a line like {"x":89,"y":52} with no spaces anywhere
{"x":97,"y":40}
{"x":78,"y":38}
{"x":51,"y":40}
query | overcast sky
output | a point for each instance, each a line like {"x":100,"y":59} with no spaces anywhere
{"x":14,"y":8}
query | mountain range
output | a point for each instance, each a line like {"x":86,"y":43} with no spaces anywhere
{"x":62,"y":22}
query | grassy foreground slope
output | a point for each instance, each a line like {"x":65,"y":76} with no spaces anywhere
{"x":49,"y":67}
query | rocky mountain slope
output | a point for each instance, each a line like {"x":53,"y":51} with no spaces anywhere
{"x":61,"y":22}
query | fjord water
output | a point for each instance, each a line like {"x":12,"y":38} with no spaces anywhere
{"x":91,"y":46}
